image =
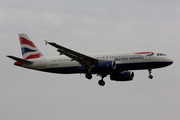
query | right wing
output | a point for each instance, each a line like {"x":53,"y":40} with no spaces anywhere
{"x":84,"y":60}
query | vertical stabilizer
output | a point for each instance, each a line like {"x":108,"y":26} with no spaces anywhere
{"x":29,"y":50}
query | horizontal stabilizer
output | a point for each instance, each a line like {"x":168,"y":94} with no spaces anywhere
{"x":20,"y":60}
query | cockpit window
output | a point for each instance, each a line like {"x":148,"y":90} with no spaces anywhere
{"x":161,"y":54}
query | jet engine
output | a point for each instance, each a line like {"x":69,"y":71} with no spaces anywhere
{"x":105,"y":65}
{"x":122,"y":76}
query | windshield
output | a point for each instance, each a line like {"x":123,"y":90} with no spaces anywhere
{"x":161,"y":54}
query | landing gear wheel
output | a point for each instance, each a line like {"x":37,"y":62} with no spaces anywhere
{"x":88,"y":76}
{"x":150,"y":76}
{"x":101,"y":82}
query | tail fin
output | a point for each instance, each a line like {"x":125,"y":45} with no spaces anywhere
{"x":29,"y":50}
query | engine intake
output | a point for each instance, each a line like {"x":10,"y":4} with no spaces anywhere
{"x":122,"y":76}
{"x":105,"y":65}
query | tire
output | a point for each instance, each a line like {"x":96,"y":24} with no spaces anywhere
{"x":101,"y":82}
{"x":88,"y":76}
{"x":150,"y":77}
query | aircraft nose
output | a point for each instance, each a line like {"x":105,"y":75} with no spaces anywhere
{"x":170,"y":61}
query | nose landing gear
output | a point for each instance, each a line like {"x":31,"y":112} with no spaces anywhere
{"x":150,"y":76}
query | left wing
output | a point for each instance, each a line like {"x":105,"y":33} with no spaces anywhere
{"x":84,"y":60}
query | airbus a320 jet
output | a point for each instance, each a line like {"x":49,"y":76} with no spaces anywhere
{"x":116,"y":65}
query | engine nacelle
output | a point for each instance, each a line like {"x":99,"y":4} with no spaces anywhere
{"x":122,"y":76}
{"x":105,"y":65}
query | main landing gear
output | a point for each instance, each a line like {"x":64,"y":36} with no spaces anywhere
{"x":88,"y":76}
{"x":150,"y":76}
{"x":100,"y":82}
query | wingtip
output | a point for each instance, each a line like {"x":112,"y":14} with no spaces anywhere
{"x":8,"y":56}
{"x":46,"y":42}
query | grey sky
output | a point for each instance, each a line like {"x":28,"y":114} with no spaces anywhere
{"x":90,"y":26}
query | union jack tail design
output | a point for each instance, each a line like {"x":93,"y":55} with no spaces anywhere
{"x":29,"y":50}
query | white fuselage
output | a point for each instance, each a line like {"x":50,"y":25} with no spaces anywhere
{"x":124,"y":61}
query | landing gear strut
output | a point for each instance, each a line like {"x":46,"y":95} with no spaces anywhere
{"x":150,"y":76}
{"x":101,"y":82}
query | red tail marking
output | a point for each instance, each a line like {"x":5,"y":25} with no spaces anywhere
{"x":34,"y":56}
{"x":25,"y":41}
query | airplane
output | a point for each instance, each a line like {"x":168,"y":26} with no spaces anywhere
{"x":117,"y":65}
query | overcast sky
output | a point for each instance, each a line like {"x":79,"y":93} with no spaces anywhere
{"x":90,"y":26}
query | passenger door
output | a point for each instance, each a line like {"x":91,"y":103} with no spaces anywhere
{"x":148,"y":55}
{"x":43,"y":62}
